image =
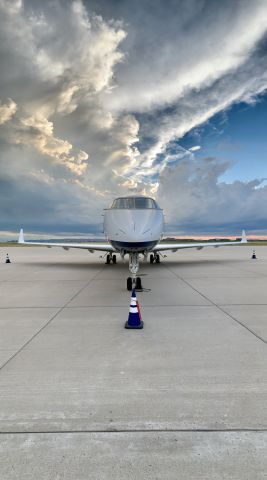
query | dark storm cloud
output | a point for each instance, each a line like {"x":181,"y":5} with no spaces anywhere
{"x":202,"y":203}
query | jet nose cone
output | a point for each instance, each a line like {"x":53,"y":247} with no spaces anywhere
{"x":138,"y":231}
{"x":136,"y":226}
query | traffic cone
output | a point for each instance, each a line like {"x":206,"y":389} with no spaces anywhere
{"x":7,"y":259}
{"x":254,"y":255}
{"x":134,"y":319}
{"x":139,"y":309}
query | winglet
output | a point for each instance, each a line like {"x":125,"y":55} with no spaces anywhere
{"x":21,"y":236}
{"x":244,"y":238}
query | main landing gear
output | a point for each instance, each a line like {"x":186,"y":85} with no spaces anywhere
{"x":111,"y":258}
{"x":154,"y":258}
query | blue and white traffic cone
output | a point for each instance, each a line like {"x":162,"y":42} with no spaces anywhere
{"x":134,"y":319}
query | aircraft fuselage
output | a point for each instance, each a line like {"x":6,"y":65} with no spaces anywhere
{"x":133,"y":224}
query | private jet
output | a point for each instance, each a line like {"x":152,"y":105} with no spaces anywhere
{"x":133,"y":226}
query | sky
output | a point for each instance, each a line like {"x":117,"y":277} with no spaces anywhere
{"x":102,"y":98}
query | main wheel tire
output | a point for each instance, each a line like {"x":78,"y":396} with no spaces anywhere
{"x":138,"y":283}
{"x":108,"y":259}
{"x":114,"y":259}
{"x":129,"y":284}
{"x":157,"y":258}
{"x":151,"y":258}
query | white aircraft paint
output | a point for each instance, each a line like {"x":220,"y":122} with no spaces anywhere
{"x":133,"y":226}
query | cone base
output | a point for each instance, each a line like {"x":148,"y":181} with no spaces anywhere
{"x":134,"y":327}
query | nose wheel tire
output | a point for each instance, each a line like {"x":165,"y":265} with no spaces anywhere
{"x":129,"y":284}
{"x":114,"y":259}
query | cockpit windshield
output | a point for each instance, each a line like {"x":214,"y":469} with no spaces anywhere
{"x":134,"y":203}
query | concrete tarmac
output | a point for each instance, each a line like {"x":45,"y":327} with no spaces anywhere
{"x":83,"y":398}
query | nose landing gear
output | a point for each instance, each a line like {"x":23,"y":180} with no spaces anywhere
{"x":134,"y":281}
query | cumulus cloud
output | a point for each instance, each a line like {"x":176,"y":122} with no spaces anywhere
{"x":56,"y":61}
{"x":7,"y":110}
{"x":37,"y":132}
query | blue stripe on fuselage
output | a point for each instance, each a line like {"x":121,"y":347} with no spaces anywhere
{"x":133,"y":246}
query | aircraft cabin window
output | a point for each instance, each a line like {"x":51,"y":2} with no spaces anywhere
{"x":134,"y":203}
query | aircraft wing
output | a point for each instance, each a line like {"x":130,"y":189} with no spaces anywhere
{"x":91,"y":247}
{"x":161,"y":247}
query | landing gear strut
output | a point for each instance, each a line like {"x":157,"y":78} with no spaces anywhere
{"x":134,"y":281}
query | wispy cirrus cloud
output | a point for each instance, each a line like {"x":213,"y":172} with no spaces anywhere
{"x":195,"y":148}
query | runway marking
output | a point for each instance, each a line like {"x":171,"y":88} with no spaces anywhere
{"x":220,"y":307}
{"x":49,"y":321}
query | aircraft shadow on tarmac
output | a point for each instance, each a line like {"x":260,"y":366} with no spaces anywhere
{"x":143,"y":265}
{"x":202,"y":262}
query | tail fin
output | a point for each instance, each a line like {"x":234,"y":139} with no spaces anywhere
{"x":244,"y":238}
{"x":21,"y":236}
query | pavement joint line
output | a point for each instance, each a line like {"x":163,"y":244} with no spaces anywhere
{"x":140,"y":430}
{"x":143,"y":306}
{"x":242,"y":304}
{"x":164,"y":305}
{"x":49,"y":321}
{"x":108,"y":306}
{"x":29,"y":308}
{"x":222,"y":310}
{"x":41,"y":281}
{"x":255,"y":276}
